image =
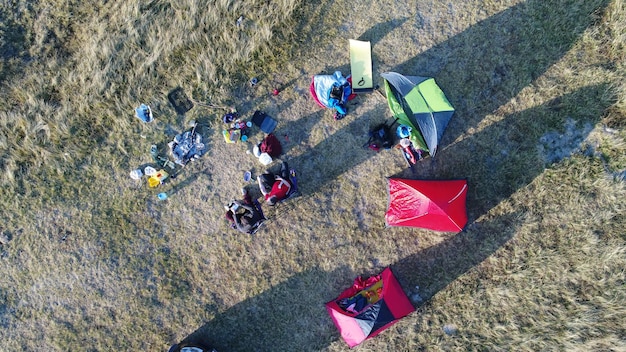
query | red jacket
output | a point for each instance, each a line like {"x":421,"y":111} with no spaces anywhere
{"x":280,"y":189}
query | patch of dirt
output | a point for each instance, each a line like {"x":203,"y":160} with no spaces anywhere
{"x":555,"y":146}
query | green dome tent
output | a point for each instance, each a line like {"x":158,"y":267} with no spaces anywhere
{"x":419,"y":103}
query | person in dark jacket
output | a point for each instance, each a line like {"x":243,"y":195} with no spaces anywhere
{"x":244,"y":215}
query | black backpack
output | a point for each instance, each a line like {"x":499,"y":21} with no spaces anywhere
{"x":380,"y":137}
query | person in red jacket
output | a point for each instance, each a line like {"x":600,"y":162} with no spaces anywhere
{"x":276,"y":187}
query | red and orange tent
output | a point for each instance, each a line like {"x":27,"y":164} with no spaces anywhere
{"x":368,"y":307}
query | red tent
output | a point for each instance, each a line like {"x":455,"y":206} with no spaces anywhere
{"x":430,"y":204}
{"x":369,"y":307}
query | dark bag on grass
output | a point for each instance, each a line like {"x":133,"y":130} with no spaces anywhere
{"x":380,"y":137}
{"x":264,"y":121}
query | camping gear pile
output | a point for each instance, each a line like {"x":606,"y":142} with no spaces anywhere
{"x":237,"y":129}
{"x":187,"y":146}
{"x":268,"y":149}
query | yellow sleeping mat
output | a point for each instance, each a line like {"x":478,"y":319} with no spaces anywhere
{"x":361,"y":66}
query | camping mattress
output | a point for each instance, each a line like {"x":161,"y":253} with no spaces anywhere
{"x":361,"y":66}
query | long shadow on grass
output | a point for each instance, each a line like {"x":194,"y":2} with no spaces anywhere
{"x":504,"y":159}
{"x":312,"y":15}
{"x":287,"y":317}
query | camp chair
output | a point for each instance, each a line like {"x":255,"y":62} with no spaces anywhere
{"x":293,"y":192}
{"x":268,"y":180}
{"x":361,"y":66}
{"x":259,"y":223}
{"x":264,"y":121}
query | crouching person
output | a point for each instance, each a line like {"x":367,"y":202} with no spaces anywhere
{"x":277,"y":187}
{"x":244,"y":215}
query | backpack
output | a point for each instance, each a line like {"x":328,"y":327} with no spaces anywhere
{"x":271,"y":145}
{"x":380,"y":137}
{"x":266,"y":123}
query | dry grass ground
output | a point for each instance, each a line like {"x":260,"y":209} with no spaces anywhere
{"x":91,"y":259}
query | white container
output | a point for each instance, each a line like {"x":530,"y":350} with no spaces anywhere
{"x":149,"y":170}
{"x":265,"y":159}
{"x":136,"y":174}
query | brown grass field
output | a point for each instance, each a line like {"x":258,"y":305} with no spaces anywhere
{"x":92,"y":260}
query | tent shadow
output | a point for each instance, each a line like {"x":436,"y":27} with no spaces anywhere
{"x":337,"y":153}
{"x":247,"y":96}
{"x":294,"y":307}
{"x":378,"y":32}
{"x":434,"y":268}
{"x":511,"y":146}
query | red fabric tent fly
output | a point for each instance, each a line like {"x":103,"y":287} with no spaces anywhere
{"x":430,"y":204}
{"x":369,"y":307}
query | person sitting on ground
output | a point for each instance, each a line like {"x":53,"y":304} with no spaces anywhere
{"x":276,"y":187}
{"x":243,"y":214}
